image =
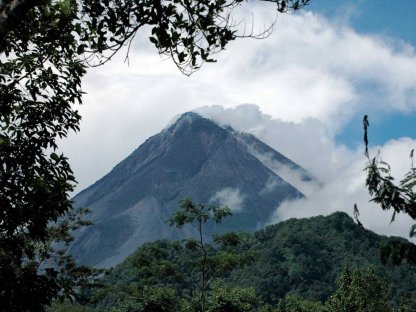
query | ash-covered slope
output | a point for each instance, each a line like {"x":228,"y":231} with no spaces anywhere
{"x":193,"y":158}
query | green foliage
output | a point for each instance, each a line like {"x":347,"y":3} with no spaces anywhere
{"x":293,"y":264}
{"x":208,"y":263}
{"x":152,"y":299}
{"x":359,"y":292}
{"x":407,"y":303}
{"x":196,"y":215}
{"x":400,"y":197}
{"x":224,"y":298}
{"x":67,"y":306}
{"x":40,"y":81}
{"x":230,"y":239}
{"x":398,"y":250}
{"x":297,"y":304}
{"x":304,"y":257}
{"x":189,"y":32}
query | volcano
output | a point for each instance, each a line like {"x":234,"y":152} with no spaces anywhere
{"x":193,"y":158}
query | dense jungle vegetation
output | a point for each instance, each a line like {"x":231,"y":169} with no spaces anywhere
{"x":316,"y":264}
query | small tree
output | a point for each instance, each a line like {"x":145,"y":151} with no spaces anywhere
{"x":359,"y":292}
{"x":208,"y":264}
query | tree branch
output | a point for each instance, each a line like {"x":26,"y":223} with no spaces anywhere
{"x":12,"y":11}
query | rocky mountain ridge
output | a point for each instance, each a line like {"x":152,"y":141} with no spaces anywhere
{"x":194,"y":157}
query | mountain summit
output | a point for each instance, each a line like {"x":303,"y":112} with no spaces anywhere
{"x":195,"y":158}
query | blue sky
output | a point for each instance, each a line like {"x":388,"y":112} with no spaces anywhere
{"x":393,"y":19}
{"x":383,"y":127}
{"x":387,"y":17}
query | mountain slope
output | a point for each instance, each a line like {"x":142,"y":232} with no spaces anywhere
{"x":192,"y":158}
{"x":299,"y":256}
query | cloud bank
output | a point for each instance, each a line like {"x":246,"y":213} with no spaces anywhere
{"x":340,"y":179}
{"x":348,"y":188}
{"x":308,"y":79}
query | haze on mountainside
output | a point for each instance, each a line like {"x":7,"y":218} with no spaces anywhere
{"x":194,"y":157}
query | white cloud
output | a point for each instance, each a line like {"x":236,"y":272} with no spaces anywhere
{"x":307,"y":142}
{"x":230,"y":197}
{"x":340,"y":171}
{"x":348,"y":188}
{"x":307,"y":79}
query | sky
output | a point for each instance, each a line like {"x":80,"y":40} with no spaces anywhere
{"x":303,"y":90}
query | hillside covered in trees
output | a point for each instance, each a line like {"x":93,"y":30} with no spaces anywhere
{"x":295,"y":263}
